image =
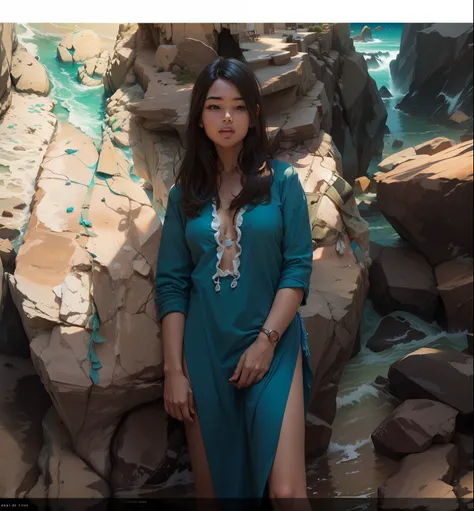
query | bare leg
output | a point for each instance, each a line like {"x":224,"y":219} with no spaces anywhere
{"x":197,"y":453}
{"x":287,"y":479}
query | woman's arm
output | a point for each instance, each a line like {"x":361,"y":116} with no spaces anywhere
{"x":172,"y":289}
{"x":293,"y":288}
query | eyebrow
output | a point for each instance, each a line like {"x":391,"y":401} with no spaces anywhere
{"x":220,"y":99}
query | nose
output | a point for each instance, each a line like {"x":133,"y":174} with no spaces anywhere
{"x":227,"y":116}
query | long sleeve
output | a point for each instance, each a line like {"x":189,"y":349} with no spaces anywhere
{"x":297,"y":245}
{"x":175,"y":265}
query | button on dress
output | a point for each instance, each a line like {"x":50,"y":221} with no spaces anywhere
{"x":224,"y":313}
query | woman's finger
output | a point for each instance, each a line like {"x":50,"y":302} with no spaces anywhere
{"x":238,"y":369}
{"x":243,"y":377}
{"x":191,"y":408}
{"x":177,"y":412}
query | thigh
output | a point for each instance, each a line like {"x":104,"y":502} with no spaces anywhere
{"x":197,"y":453}
{"x":288,"y":474}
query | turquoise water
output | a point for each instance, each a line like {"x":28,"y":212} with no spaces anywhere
{"x":412,"y":130}
{"x":82,"y":106}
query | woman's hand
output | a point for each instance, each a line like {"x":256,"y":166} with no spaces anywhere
{"x":178,"y":397}
{"x":254,"y":363}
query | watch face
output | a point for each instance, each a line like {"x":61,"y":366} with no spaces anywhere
{"x":274,"y":336}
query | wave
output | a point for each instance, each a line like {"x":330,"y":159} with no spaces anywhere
{"x":349,"y":451}
{"x":384,"y":62}
{"x":25,"y":39}
{"x":357,"y":395}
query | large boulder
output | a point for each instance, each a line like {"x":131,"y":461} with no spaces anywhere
{"x":441,"y":375}
{"x":146,"y":448}
{"x":364,"y":112}
{"x":391,"y":331}
{"x":93,"y":70}
{"x":421,"y":481}
{"x":8,"y":42}
{"x":29,"y":75}
{"x":79,"y":46}
{"x":64,"y":475}
{"x":23,"y":404}
{"x":193,"y":55}
{"x":429,"y":202}
{"x":413,"y":427}
{"x":455,"y":285}
{"x":441,"y":72}
{"x":84,"y":287}
{"x":401,"y":279}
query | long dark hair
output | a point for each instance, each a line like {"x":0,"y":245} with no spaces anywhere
{"x":197,"y":176}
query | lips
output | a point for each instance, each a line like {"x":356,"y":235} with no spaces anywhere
{"x":226,"y":130}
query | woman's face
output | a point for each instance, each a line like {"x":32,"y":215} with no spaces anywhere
{"x":225,"y":117}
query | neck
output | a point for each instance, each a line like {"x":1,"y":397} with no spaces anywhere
{"x":228,"y":157}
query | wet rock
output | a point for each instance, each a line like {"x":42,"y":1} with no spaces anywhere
{"x":93,"y":70}
{"x":421,"y":481}
{"x":435,"y":146}
{"x":397,"y":143}
{"x":317,"y":436}
{"x":391,"y":331}
{"x":428,"y":201}
{"x":384,"y":92}
{"x":402,"y":279}
{"x":28,"y":74}
{"x":63,"y":474}
{"x":442,"y":375}
{"x":413,"y":427}
{"x":79,"y":46}
{"x":455,"y":285}
{"x":146,"y":450}
{"x":435,"y":91}
{"x":23,"y":404}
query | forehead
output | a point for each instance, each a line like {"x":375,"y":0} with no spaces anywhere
{"x":224,"y":89}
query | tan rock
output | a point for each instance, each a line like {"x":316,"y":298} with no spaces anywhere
{"x":7,"y":45}
{"x":434,"y":146}
{"x":28,"y":74}
{"x":93,"y":70}
{"x":422,"y":480}
{"x":459,"y":117}
{"x":402,"y":279}
{"x":396,"y":159}
{"x":464,"y":488}
{"x":23,"y":404}
{"x":165,"y":56}
{"x":61,"y":272}
{"x":455,"y":284}
{"x":194,"y":55}
{"x":123,"y":57}
{"x":442,"y":375}
{"x":429,"y":202}
{"x":63,"y":474}
{"x":79,"y":46}
{"x":145,"y":450}
{"x":413,"y":427}
{"x":364,"y":185}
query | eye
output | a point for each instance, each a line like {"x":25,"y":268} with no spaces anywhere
{"x":241,"y":108}
{"x":212,"y":107}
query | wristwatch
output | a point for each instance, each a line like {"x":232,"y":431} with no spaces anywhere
{"x":273,"y":336}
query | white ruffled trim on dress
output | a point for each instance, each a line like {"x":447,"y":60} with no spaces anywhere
{"x":216,"y":224}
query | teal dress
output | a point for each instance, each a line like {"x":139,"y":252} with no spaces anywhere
{"x":224,"y":314}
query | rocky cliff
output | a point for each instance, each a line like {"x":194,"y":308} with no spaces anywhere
{"x":434,"y":68}
{"x":7,"y":46}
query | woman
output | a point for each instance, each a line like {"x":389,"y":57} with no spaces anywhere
{"x":234,"y":267}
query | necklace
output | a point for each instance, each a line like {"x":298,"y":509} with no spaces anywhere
{"x":228,"y":241}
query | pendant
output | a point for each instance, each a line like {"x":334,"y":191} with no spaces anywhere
{"x":227,"y":243}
